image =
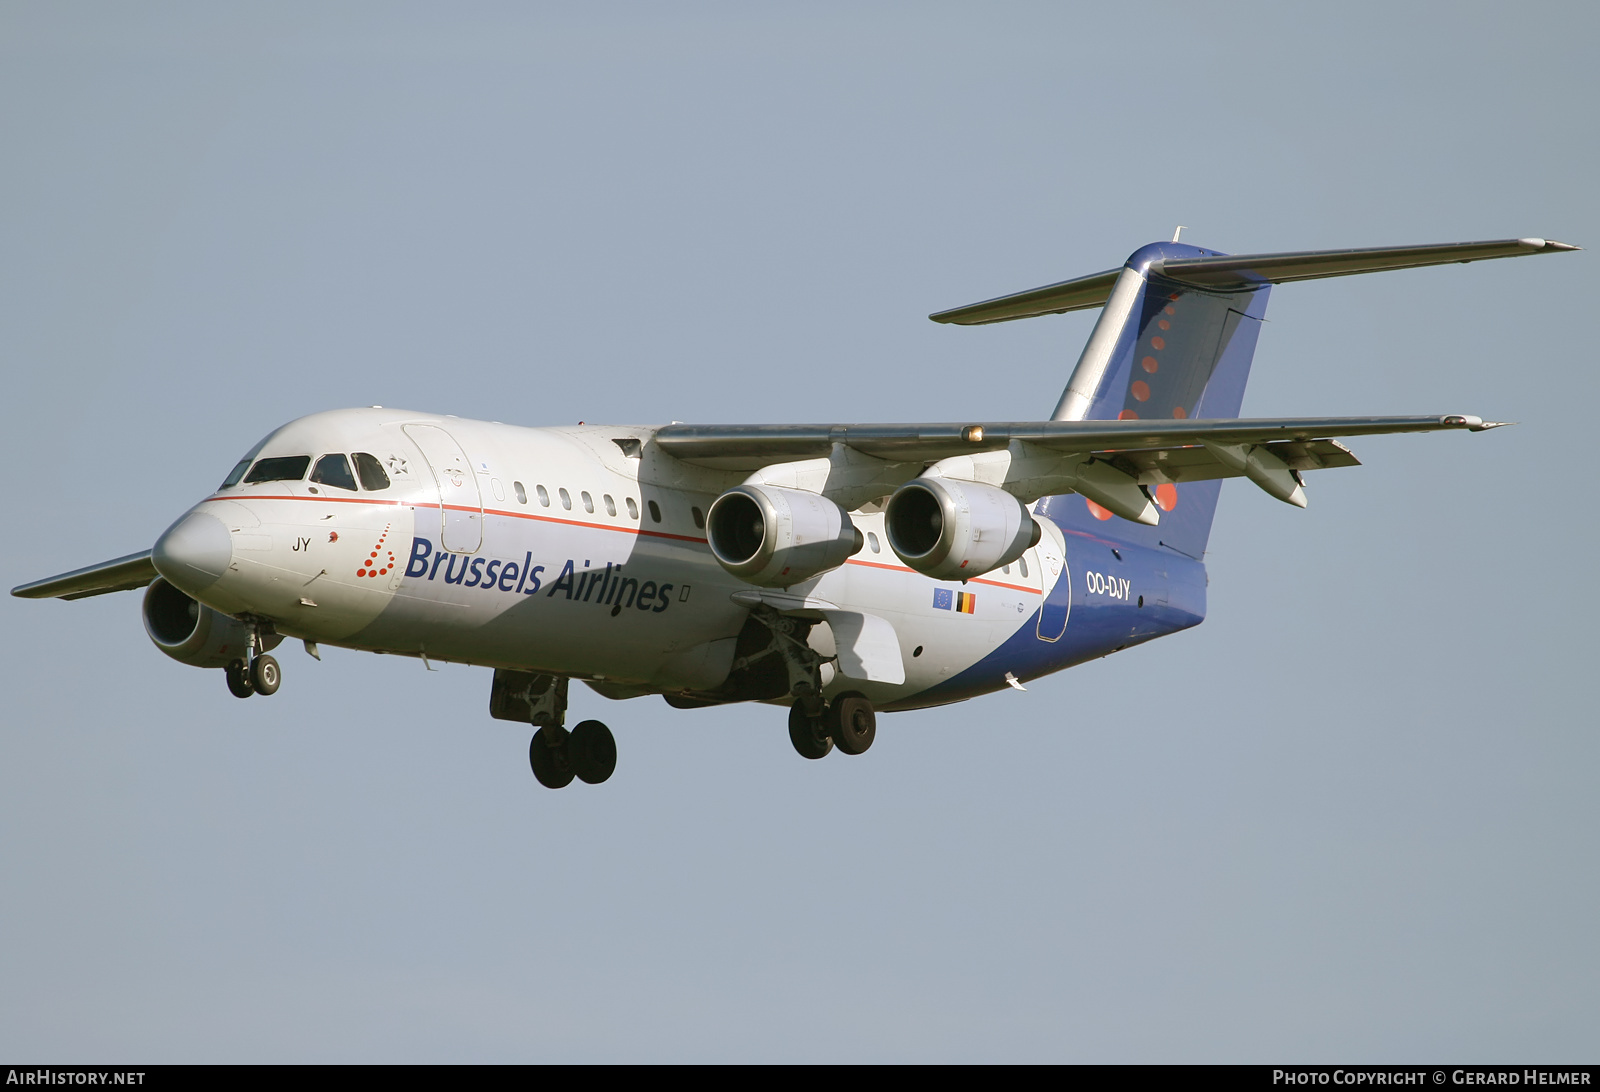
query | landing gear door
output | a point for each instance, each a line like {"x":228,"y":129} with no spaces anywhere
{"x":460,"y":503}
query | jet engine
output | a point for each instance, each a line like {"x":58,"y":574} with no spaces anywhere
{"x":193,"y":633}
{"x":775,"y":537}
{"x":952,"y":530}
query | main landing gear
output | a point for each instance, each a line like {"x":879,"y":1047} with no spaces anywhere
{"x":588,"y":752}
{"x":847,"y":722}
{"x":257,"y":673}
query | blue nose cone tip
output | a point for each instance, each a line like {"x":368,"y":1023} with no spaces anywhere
{"x":194,"y":552}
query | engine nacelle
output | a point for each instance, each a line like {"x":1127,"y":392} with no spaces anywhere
{"x":952,"y":530}
{"x":776,"y":537}
{"x":193,"y":633}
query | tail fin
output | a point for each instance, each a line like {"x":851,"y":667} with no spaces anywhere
{"x":1162,"y":350}
{"x":1175,"y":340}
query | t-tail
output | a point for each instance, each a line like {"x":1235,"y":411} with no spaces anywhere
{"x":1174,"y":342}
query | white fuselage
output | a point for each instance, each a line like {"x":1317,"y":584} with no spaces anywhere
{"x":562,"y":551}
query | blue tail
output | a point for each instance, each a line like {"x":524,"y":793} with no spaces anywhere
{"x":1161,"y":350}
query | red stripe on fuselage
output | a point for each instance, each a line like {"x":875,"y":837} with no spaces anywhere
{"x":567,"y":523}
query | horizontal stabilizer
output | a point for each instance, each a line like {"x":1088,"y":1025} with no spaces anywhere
{"x":1231,"y":272}
{"x":1052,"y":299}
{"x":123,"y":574}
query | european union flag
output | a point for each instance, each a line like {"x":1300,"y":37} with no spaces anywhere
{"x":942,"y":599}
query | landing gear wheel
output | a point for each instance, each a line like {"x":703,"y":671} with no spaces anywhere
{"x":852,"y":723}
{"x":592,"y":752}
{"x":238,"y":680}
{"x":551,"y":765}
{"x":808,"y":734}
{"x":265,"y":675}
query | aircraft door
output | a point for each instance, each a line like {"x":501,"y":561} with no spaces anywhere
{"x":460,"y":503}
{"x":1057,"y":590}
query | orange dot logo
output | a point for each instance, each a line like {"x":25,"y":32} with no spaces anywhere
{"x":1149,"y":364}
{"x":372,"y":566}
{"x":1158,"y":343}
{"x":1127,"y":415}
{"x":1179,"y":412}
{"x":1167,"y":496}
{"x":1141,"y":390}
{"x":1095,"y":510}
{"x":1171,"y":310}
{"x":1163,"y":323}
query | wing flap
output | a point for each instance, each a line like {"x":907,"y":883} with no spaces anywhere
{"x":120,"y":574}
{"x":1197,"y":464}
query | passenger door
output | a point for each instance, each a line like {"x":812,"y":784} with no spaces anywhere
{"x":460,"y":502}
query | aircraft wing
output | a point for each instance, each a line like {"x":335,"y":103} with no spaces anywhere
{"x":1142,"y":444}
{"x":122,"y":574}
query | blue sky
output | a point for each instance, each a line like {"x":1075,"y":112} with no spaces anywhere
{"x":1350,"y":817}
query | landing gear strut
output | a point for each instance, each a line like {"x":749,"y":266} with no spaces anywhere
{"x":257,"y":673}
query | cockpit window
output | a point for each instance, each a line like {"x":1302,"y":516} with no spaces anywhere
{"x":244,"y":464}
{"x":236,"y":473}
{"x":285,"y":468}
{"x":371,"y":471}
{"x":334,"y":470}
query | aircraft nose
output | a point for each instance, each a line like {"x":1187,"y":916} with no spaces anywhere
{"x":194,"y":552}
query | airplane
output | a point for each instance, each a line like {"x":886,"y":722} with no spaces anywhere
{"x":840,"y":570}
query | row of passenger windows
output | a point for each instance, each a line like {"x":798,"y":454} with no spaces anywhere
{"x":588,"y":502}
{"x":331,"y":470}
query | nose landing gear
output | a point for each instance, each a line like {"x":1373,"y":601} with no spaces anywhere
{"x":257,"y":673}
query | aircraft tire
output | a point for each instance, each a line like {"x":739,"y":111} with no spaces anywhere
{"x":852,"y":722}
{"x":808,"y":734}
{"x":551,"y":765}
{"x":592,"y":752}
{"x":265,"y":675}
{"x":238,"y":680}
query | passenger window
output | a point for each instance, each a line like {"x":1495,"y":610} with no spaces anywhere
{"x":566,"y":499}
{"x":522,"y":494}
{"x":371,"y":472}
{"x":611,"y":505}
{"x":588,"y":501}
{"x":872,"y":541}
{"x":1023,"y":563}
{"x":334,"y":470}
{"x":699,"y":516}
{"x":655,"y":511}
{"x":285,"y":468}
{"x":544,"y":495}
{"x":633,"y":507}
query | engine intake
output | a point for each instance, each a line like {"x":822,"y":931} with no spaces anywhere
{"x":950,"y":529}
{"x":774,"y":537}
{"x":193,"y":633}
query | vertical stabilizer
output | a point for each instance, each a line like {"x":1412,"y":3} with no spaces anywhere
{"x":1162,"y":350}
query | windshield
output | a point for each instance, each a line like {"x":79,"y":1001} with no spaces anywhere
{"x":244,"y":464}
{"x":283,"y":468}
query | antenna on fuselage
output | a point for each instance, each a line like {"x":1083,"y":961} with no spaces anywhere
{"x":1179,"y":232}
